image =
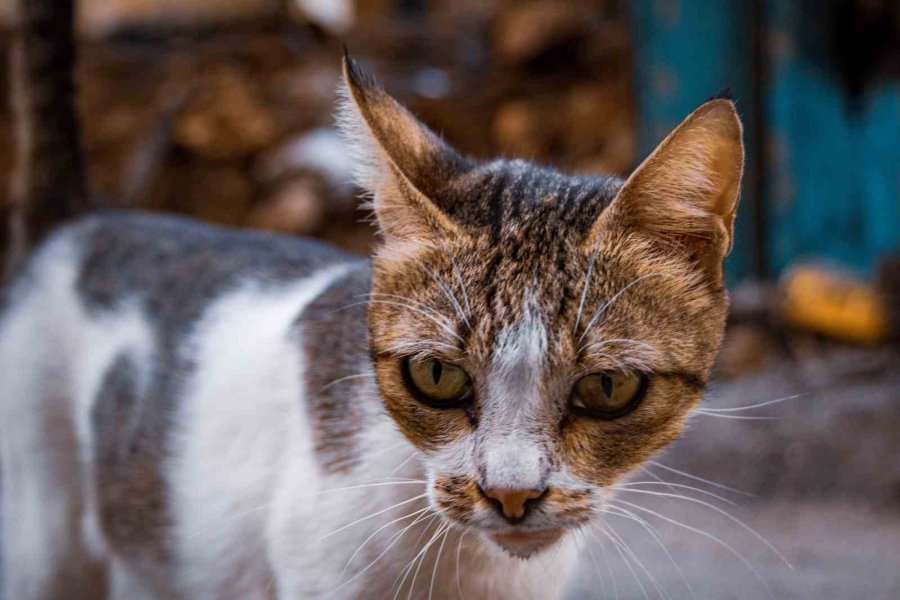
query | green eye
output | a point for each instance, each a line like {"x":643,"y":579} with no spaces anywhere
{"x":608,"y":395}
{"x":437,"y":383}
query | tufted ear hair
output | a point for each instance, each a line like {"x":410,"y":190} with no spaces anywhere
{"x":686,"y":192}
{"x":399,"y":161}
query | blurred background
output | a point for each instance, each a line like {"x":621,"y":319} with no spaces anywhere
{"x":222,"y":110}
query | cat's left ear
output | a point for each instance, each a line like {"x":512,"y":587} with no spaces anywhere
{"x":399,"y":161}
{"x":686,"y":192}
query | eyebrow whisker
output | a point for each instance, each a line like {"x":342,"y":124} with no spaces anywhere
{"x":437,"y":320}
{"x":587,"y":283}
{"x":448,"y":293}
{"x":605,"y":306}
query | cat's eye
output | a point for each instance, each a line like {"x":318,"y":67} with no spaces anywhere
{"x":608,"y":395}
{"x":437,"y":383}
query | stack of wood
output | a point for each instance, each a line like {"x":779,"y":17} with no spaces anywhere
{"x":227,"y":116}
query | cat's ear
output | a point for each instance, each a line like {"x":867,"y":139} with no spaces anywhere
{"x":686,"y":192}
{"x":399,"y":161}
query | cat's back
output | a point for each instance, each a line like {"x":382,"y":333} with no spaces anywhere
{"x":163,"y":259}
{"x":172,"y":268}
{"x":159,"y":273}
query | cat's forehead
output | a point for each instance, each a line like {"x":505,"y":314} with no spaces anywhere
{"x":522,"y":249}
{"x":515,"y":197}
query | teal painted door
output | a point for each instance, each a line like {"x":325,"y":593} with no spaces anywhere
{"x":823,"y":176}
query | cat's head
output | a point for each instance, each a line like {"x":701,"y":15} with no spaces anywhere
{"x":536,"y":335}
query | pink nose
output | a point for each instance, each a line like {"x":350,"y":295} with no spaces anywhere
{"x":513,"y":503}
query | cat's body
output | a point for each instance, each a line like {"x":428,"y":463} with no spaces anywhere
{"x":197,"y":438}
{"x":192,"y":412}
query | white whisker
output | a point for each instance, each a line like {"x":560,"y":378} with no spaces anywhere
{"x":751,"y":406}
{"x":424,"y":346}
{"x":405,"y":299}
{"x":443,"y":285}
{"x":437,"y":321}
{"x":647,"y":346}
{"x":391,"y":542}
{"x":596,"y":565}
{"x":605,"y":306}
{"x":725,"y":514}
{"x":458,"y":550}
{"x":657,"y":478}
{"x":627,"y":562}
{"x":459,"y":278}
{"x":405,"y":571}
{"x":404,"y":463}
{"x":707,"y":535}
{"x":343,"y":379}
{"x":584,"y":290}
{"x":706,"y":413}
{"x":426,"y":307}
{"x":431,"y":542}
{"x":700,"y":479}
{"x":448,"y":293}
{"x":653,"y":581}
{"x":437,"y":561}
{"x":625,"y":487}
{"x":376,"y":532}
{"x":372,"y":485}
{"x":612,"y":575}
{"x":416,"y":559}
{"x":366,"y":518}
{"x":653,"y":534}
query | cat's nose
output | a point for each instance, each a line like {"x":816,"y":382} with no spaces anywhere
{"x":513,"y":503}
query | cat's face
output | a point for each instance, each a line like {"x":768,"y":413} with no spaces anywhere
{"x":540,"y":336}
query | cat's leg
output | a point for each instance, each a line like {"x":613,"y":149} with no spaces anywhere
{"x":45,"y":555}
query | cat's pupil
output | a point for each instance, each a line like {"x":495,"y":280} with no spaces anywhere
{"x":436,"y":370}
{"x":606,"y":383}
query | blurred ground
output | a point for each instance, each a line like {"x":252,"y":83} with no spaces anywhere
{"x":838,"y":551}
{"x":825,"y":480}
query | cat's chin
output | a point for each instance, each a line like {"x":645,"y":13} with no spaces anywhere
{"x":525,"y":544}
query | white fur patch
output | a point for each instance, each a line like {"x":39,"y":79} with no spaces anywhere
{"x":519,"y":358}
{"x":511,"y":455}
{"x":243,"y":404}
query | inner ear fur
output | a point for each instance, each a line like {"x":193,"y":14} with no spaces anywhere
{"x":399,"y":161}
{"x":686,"y":192}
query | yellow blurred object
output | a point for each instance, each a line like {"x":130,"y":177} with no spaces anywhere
{"x":833,"y":304}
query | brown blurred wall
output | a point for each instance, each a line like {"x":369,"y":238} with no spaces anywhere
{"x":97,"y":18}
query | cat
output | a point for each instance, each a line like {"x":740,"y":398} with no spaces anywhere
{"x":195,"y":412}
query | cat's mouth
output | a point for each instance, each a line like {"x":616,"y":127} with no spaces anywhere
{"x":525,"y":544}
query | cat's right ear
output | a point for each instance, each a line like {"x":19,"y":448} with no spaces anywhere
{"x":399,"y":161}
{"x":685,"y":194}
